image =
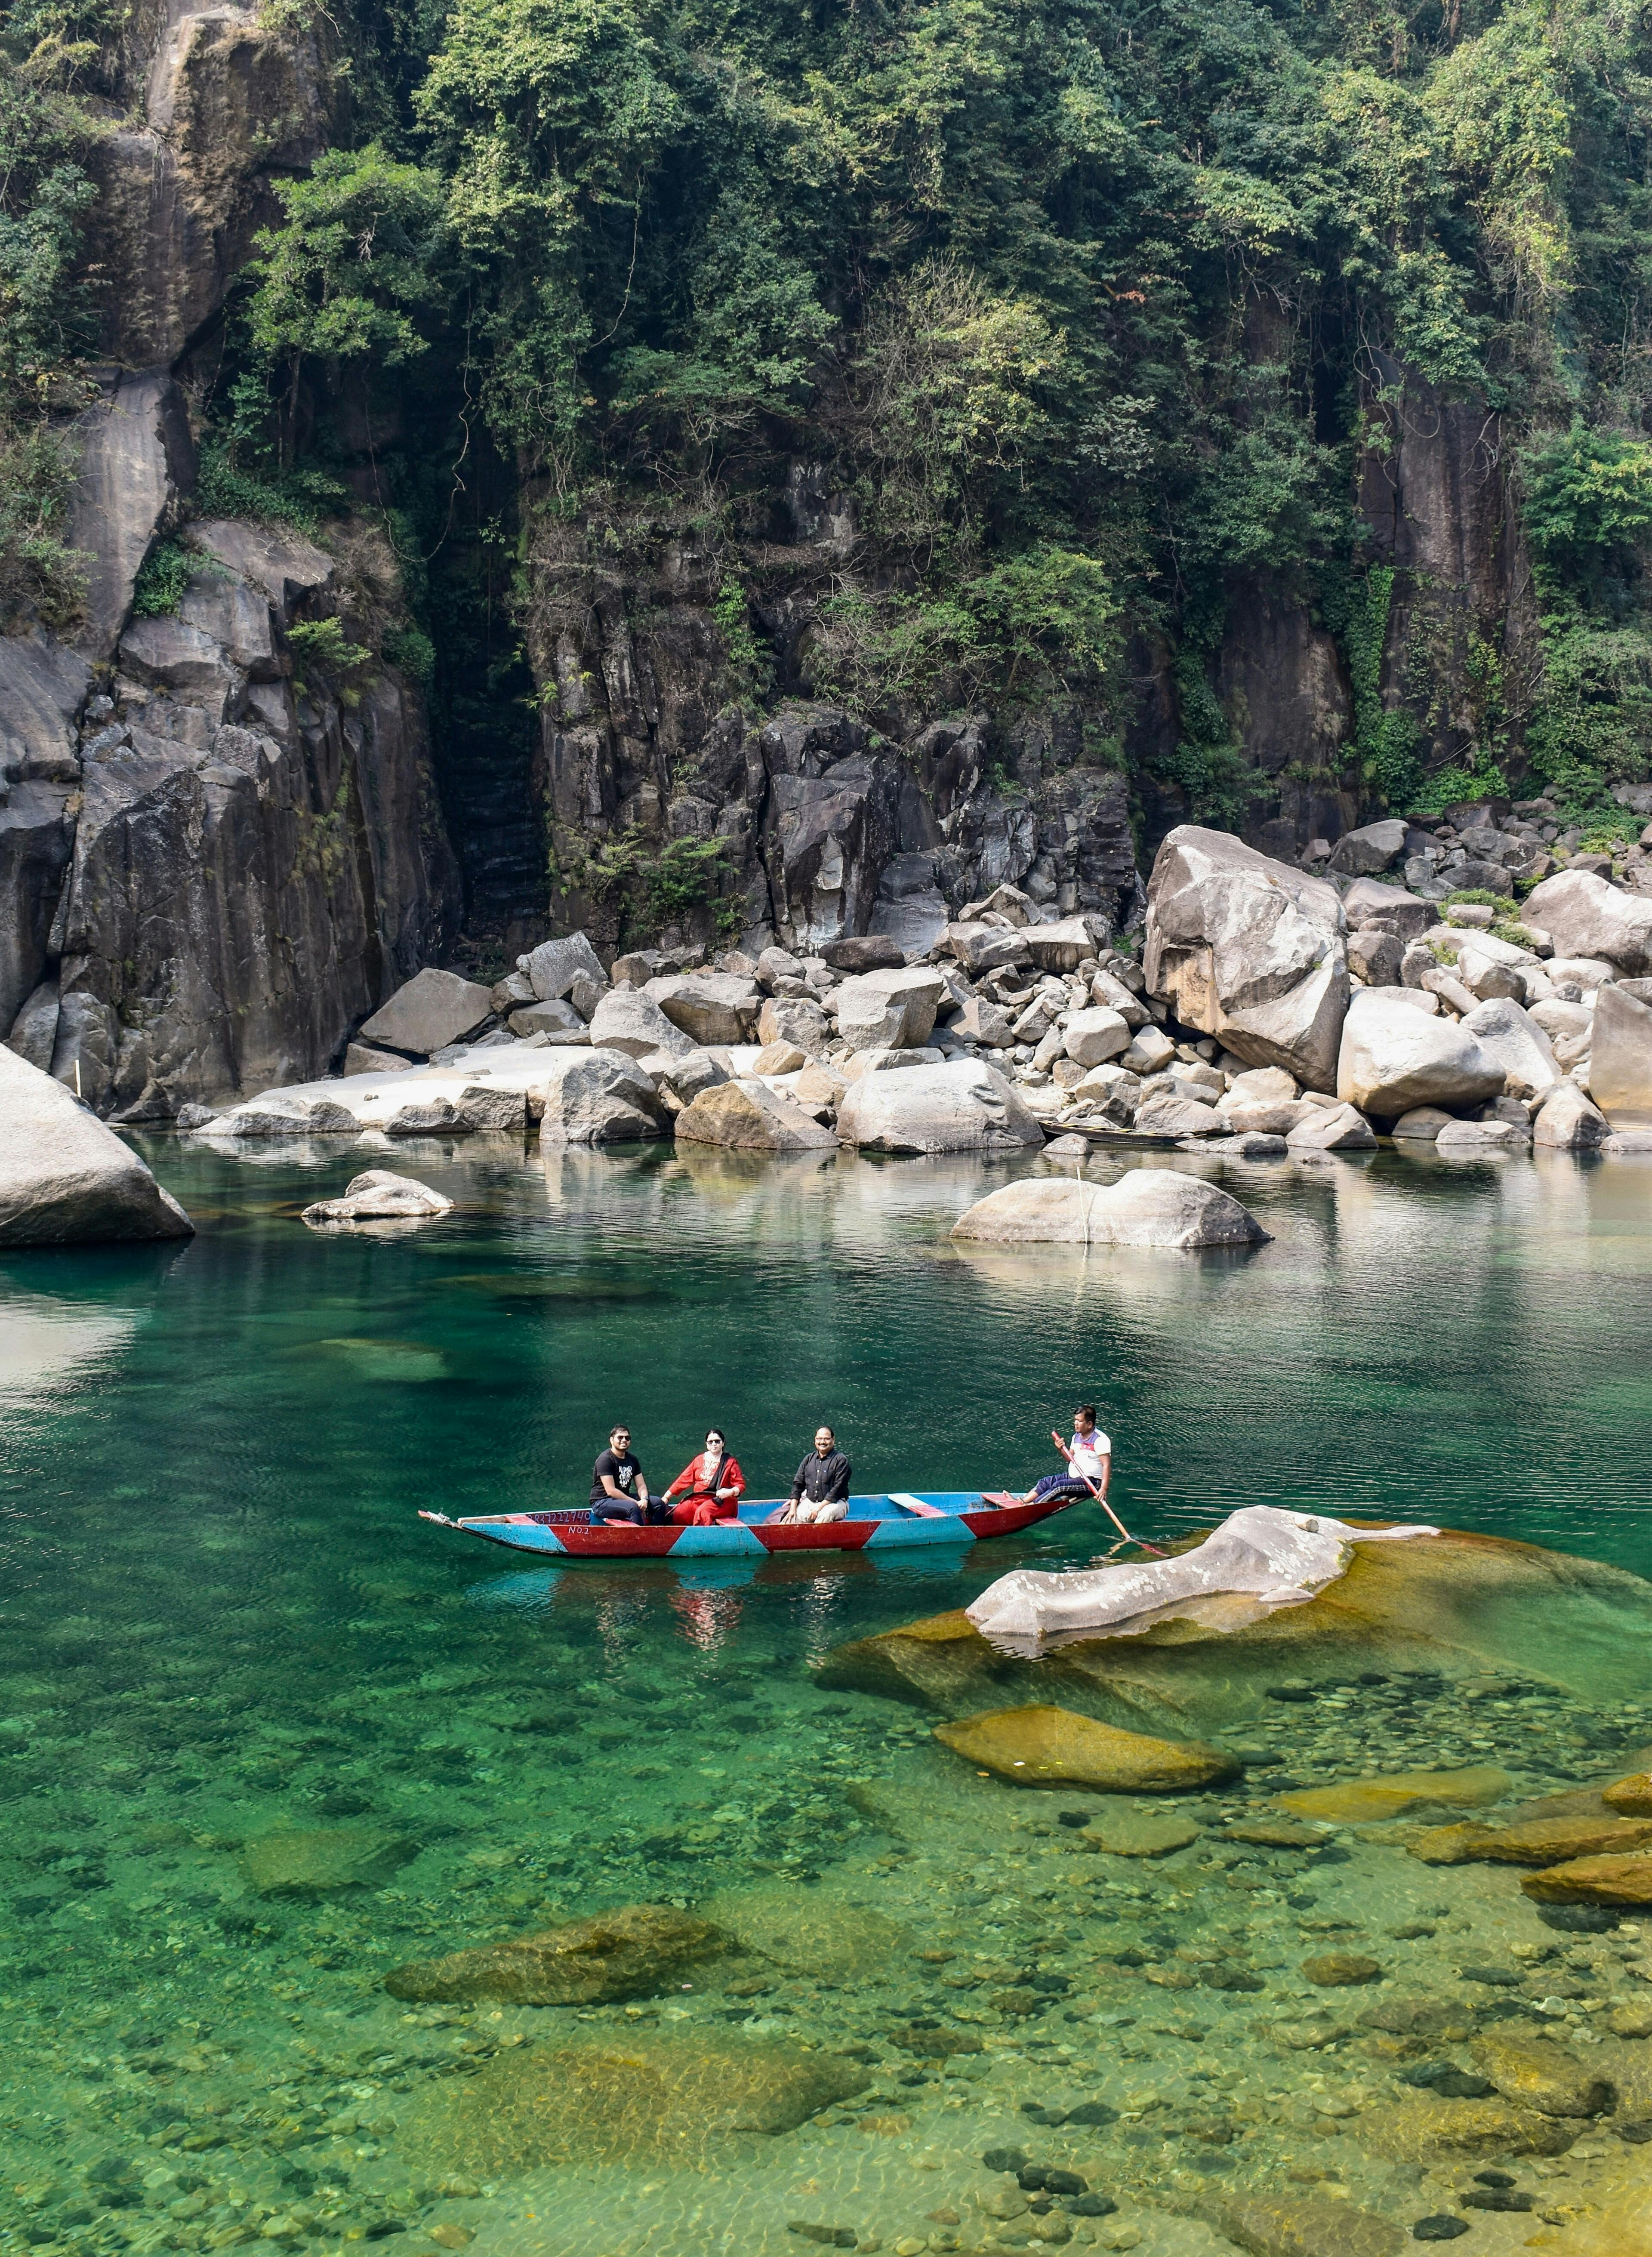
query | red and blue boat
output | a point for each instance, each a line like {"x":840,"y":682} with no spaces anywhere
{"x":896,"y":1522}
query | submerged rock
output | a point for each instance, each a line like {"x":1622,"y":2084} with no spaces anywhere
{"x":1535,"y":2074}
{"x":1420,"y":2130}
{"x":65,"y":1179}
{"x":1631,"y":1796}
{"x":377,"y":1196}
{"x":1538,"y":1841}
{"x":645,"y":2097}
{"x":1283,"y":2225}
{"x":1049,"y":1746}
{"x":1355,"y":1801}
{"x":1342,"y":1971}
{"x":321,"y":1860}
{"x":1148,"y":1206}
{"x":1138,"y":1834}
{"x":1605,"y":1881}
{"x":628,"y":1953}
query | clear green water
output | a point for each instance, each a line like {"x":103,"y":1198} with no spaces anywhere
{"x":219,"y":1616}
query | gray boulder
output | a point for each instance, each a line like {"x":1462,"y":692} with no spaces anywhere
{"x":1092,"y":1037}
{"x":629,"y":1020}
{"x":980,"y":948}
{"x":964,"y":1105}
{"x":1148,"y":1206}
{"x":555,"y":966}
{"x":483,"y":1104}
{"x":865,"y":951}
{"x":889,"y":1010}
{"x":1421,"y":1126}
{"x":423,"y":1116}
{"x":598,"y":1097}
{"x":1585,"y":916}
{"x":1393,"y":1058}
{"x":1166,"y":1113}
{"x":1473,"y":1139}
{"x":708,"y":1007}
{"x":34,"y":1030}
{"x":1367,"y":898}
{"x":794,"y":1019}
{"x":1376,"y":957}
{"x":1620,"y":1059}
{"x":556,"y":1017}
{"x":432,"y":1009}
{"x":686,"y":1076}
{"x":748,"y":1116}
{"x":361,"y":1057}
{"x":1249,"y":950}
{"x":65,"y":1179}
{"x":378,"y":1196}
{"x":985,"y":1022}
{"x":1375,"y":846}
{"x":1064,"y":946}
{"x":1513,"y":1037}
{"x":275,"y":558}
{"x":1568,"y":1122}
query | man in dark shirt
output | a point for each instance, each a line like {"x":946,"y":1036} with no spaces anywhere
{"x":820,"y":1487}
{"x":619,"y":1490}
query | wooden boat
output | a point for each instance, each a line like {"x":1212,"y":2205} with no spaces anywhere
{"x":873,"y":1523}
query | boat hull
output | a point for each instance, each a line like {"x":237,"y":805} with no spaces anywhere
{"x":873,"y":1523}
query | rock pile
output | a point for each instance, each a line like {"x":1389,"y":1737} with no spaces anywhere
{"x":1275,"y":1011}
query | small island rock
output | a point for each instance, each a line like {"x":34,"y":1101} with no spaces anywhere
{"x":1147,"y":1207}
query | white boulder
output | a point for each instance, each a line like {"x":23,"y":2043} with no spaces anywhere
{"x":1472,"y":1140}
{"x":598,"y":1097}
{"x":1585,"y":916}
{"x":1422,"y":1125}
{"x":1568,"y":1122}
{"x":628,"y":1020}
{"x":552,"y":968}
{"x":794,"y":1019}
{"x":1513,"y":1037}
{"x":1093,"y":1036}
{"x":1332,"y":1128}
{"x":964,"y":1105}
{"x":708,"y":1006}
{"x":65,"y":1179}
{"x":432,"y":1009}
{"x":889,"y":1010}
{"x":1393,"y":1058}
{"x":1064,"y":946}
{"x":1148,"y":1206}
{"x":1249,"y":950}
{"x":380,"y":1196}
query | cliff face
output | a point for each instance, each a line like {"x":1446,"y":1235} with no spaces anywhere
{"x":216,"y":859}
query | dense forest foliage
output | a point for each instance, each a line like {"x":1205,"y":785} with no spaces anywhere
{"x":1092,"y":305}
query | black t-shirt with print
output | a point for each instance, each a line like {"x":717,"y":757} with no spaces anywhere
{"x":625,"y":1472}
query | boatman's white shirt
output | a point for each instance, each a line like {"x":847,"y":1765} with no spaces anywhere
{"x":1087,"y":1451}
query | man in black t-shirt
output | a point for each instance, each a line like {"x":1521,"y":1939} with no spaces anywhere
{"x":619,"y":1490}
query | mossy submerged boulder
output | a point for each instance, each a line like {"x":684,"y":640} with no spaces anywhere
{"x":1285,"y":2225}
{"x":628,"y":1953}
{"x":1362,"y":1801}
{"x":1537,"y":1842}
{"x":1533,"y":2073}
{"x":1044,"y":1746}
{"x":1606,"y":1880}
{"x":1424,"y":2129}
{"x":321,"y":1861}
{"x":1460,"y":1604}
{"x":1631,"y":1797}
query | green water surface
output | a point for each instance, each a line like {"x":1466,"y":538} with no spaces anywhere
{"x":220,"y":1616}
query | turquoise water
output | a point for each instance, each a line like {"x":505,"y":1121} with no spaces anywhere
{"x":221,"y":1618}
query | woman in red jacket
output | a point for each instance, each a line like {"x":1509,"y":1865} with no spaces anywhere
{"x":708,"y":1487}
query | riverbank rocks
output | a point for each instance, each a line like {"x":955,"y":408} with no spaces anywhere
{"x":65,"y":1179}
{"x":1046,"y":1746}
{"x":748,"y":1116}
{"x":1605,"y":1881}
{"x":1394,"y":1058}
{"x":1332,"y":1129}
{"x":380,"y":1196}
{"x":964,"y":1105}
{"x":710,"y":1007}
{"x":627,"y":1020}
{"x":642,"y":2097}
{"x":1532,"y":2073}
{"x":432,"y":1009}
{"x":556,"y":967}
{"x":794,"y":1019}
{"x":1093,"y":1036}
{"x":1147,"y":1207}
{"x":1508,"y":1034}
{"x":1357,"y":1801}
{"x":323,"y":1861}
{"x":598,"y":1097}
{"x":1250,"y":950}
{"x":1585,"y":916}
{"x":628,"y":1953}
{"x":1620,"y":1059}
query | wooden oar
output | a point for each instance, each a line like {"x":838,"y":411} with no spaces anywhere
{"x":1152,"y":1550}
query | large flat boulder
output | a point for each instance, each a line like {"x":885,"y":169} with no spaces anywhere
{"x":597,"y":1096}
{"x":1250,"y":950}
{"x":1508,"y":1033}
{"x":748,"y":1116}
{"x":432,"y":1010}
{"x":1620,"y":1058}
{"x":65,"y":1179}
{"x":1585,"y":916}
{"x":1048,"y":1746}
{"x":1392,"y":1058}
{"x":889,"y":1009}
{"x":628,"y":1953}
{"x":1148,"y":1206}
{"x":708,"y":1007}
{"x":627,"y":1019}
{"x":964,"y":1105}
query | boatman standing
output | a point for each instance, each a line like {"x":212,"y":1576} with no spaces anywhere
{"x":820,"y":1487}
